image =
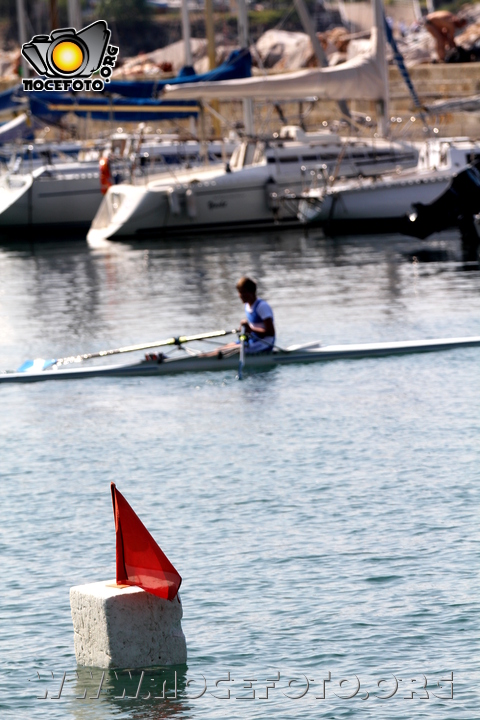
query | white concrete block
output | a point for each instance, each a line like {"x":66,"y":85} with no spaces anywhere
{"x":125,"y":627}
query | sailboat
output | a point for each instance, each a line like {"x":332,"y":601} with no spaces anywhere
{"x":51,"y":195}
{"x":382,"y":204}
{"x":364,"y":77}
{"x":253,"y":189}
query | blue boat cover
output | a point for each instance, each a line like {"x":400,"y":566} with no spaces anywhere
{"x":139,"y":101}
{"x":237,"y":65}
{"x":21,"y":127}
{"x":11,"y":99}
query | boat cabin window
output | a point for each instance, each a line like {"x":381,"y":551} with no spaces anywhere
{"x":259,"y":153}
{"x":249,"y":154}
{"x":237,"y":155}
{"x":443,"y":160}
{"x":246,"y":154}
{"x":118,"y":146}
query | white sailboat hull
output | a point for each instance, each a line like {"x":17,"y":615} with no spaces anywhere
{"x":64,"y":196}
{"x":213,"y":202}
{"x":382,"y":202}
{"x":386,"y":199}
{"x":253,"y":195}
{"x":50,"y":197}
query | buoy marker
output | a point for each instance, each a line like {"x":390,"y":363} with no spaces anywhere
{"x":135,"y":620}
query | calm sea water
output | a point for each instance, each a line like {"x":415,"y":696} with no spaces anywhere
{"x":324,"y":517}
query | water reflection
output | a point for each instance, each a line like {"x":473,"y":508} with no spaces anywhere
{"x":339,"y":454}
{"x":150,"y":693}
{"x":69,"y":297}
{"x":51,"y":281}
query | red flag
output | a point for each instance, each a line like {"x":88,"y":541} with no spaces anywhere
{"x":139,"y":559}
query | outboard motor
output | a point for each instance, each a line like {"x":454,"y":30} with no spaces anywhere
{"x":455,"y":208}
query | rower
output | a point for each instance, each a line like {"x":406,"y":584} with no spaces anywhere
{"x":258,"y":324}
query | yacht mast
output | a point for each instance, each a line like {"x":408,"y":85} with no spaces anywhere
{"x":382,"y":103}
{"x":53,"y":14}
{"x":186,"y":33}
{"x":306,"y":20}
{"x":22,"y":34}
{"x":210,"y":30}
{"x":188,"y":60}
{"x":212,"y":62}
{"x":244,"y":43}
{"x":74,"y":14}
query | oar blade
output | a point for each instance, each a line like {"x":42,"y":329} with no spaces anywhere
{"x":36,"y":365}
{"x":40,"y":364}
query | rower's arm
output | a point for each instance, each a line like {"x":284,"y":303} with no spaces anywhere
{"x":267,"y":331}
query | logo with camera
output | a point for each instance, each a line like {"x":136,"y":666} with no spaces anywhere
{"x":67,"y":59}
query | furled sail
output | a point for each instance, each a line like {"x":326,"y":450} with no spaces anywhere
{"x":361,"y":78}
{"x":237,"y":65}
{"x":355,"y":79}
{"x":140,"y":561}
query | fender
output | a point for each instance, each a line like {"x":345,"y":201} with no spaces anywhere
{"x":106,"y":179}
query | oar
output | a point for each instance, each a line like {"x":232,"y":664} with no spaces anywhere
{"x":39,"y":364}
{"x":241,"y":362}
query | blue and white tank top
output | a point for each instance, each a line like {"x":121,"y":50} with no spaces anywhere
{"x":257,"y":314}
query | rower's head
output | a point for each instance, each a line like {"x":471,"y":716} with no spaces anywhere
{"x":247,"y":289}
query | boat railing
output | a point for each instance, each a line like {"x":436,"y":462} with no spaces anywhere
{"x":24,"y":160}
{"x":315,"y":178}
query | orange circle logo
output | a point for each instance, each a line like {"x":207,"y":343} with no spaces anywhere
{"x":67,"y":57}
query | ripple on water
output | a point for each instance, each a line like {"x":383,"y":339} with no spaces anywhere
{"x":323,"y":517}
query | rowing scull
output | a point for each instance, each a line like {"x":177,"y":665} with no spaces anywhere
{"x":202,"y":363}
